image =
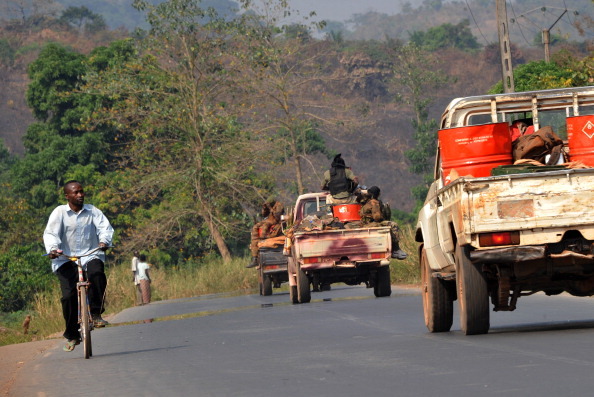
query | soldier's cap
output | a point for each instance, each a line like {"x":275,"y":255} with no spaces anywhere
{"x":338,"y":161}
{"x":374,"y":191}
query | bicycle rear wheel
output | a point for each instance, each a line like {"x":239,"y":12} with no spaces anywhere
{"x":85,"y":322}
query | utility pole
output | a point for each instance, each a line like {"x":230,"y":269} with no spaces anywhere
{"x":504,"y":47}
{"x":546,"y":38}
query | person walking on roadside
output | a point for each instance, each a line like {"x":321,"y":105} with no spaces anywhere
{"x":135,"y":280}
{"x":76,"y":228}
{"x":144,"y":279}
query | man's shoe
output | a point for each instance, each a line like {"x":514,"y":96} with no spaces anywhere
{"x":399,"y":254}
{"x":70,"y":343}
{"x":253,"y":263}
{"x":98,"y":322}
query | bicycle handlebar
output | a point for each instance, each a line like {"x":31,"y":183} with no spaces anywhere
{"x":76,"y":257}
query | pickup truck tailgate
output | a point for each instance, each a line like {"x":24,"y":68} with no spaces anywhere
{"x":547,"y":200}
{"x":343,"y":242}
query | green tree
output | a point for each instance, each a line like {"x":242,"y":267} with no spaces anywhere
{"x":23,"y":272}
{"x":59,"y":145}
{"x":18,"y":220}
{"x":446,"y":36}
{"x":416,"y":78}
{"x":293,"y":103}
{"x":83,"y":19}
{"x":6,"y":160}
{"x":582,"y":70}
{"x":284,"y":71}
{"x":184,"y":173}
{"x":52,"y":141}
{"x":539,"y":75}
{"x":7,"y":53}
{"x":29,"y":13}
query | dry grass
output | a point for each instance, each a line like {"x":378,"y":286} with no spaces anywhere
{"x":172,"y":282}
{"x":407,"y":271}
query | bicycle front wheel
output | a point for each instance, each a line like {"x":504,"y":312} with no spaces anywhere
{"x":85,"y":322}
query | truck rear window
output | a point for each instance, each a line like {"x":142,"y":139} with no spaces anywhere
{"x":311,"y":207}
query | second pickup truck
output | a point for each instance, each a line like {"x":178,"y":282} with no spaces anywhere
{"x":321,"y":256}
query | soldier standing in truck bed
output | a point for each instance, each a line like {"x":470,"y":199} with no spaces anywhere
{"x":341,"y":182}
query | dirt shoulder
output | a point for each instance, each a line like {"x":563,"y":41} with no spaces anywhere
{"x":14,"y":357}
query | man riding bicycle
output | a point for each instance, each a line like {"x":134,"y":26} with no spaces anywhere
{"x":74,"y":229}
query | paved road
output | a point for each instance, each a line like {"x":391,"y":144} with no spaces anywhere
{"x":344,"y":343}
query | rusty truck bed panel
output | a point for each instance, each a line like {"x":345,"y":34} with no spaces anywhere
{"x":344,"y":242}
{"x":555,"y":200}
{"x":540,"y":205}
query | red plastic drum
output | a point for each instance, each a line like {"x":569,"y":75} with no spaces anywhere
{"x":346,"y":212}
{"x":580,"y":139}
{"x":474,"y":150}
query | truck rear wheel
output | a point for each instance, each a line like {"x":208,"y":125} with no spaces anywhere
{"x":438,"y":306}
{"x":293,"y":294}
{"x":303,"y":291}
{"x":382,"y":286}
{"x":266,"y":286}
{"x":473,"y":295}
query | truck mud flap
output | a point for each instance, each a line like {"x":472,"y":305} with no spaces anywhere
{"x":508,"y":255}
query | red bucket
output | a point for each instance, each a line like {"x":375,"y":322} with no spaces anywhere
{"x":474,"y":150}
{"x":580,"y":139}
{"x":347,"y":212}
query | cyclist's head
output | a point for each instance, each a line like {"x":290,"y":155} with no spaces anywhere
{"x":75,"y":195}
{"x":70,"y":182}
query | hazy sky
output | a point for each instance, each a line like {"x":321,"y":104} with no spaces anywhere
{"x":340,"y":10}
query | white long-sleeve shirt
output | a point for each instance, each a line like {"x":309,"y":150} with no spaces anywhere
{"x":134,"y":269}
{"x":76,"y":233}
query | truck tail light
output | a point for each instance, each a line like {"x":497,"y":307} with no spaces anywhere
{"x":271,"y":267}
{"x":503,"y":238}
{"x":377,"y":255}
{"x":311,"y":260}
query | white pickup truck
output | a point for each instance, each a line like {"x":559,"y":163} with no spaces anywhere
{"x":488,"y":235}
{"x":323,"y":257}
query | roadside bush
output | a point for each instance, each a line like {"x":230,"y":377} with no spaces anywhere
{"x":23,"y":273}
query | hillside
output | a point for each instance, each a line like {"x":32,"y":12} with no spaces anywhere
{"x":377,"y":154}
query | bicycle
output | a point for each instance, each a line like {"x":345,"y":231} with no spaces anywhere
{"x":85,"y":318}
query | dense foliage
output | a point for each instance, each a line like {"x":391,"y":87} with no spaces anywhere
{"x":23,"y":272}
{"x":541,"y":75}
{"x":446,"y":36}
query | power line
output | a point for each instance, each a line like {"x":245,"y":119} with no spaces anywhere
{"x":529,"y":20}
{"x":519,"y":26}
{"x":568,"y":17}
{"x":477,"y":26}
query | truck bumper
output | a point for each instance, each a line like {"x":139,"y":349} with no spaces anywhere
{"x":508,"y":255}
{"x":511,"y":255}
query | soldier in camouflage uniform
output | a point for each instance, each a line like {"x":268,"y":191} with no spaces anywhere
{"x":268,"y":228}
{"x":375,"y":213}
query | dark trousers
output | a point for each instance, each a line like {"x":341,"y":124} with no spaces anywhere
{"x":68,"y":277}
